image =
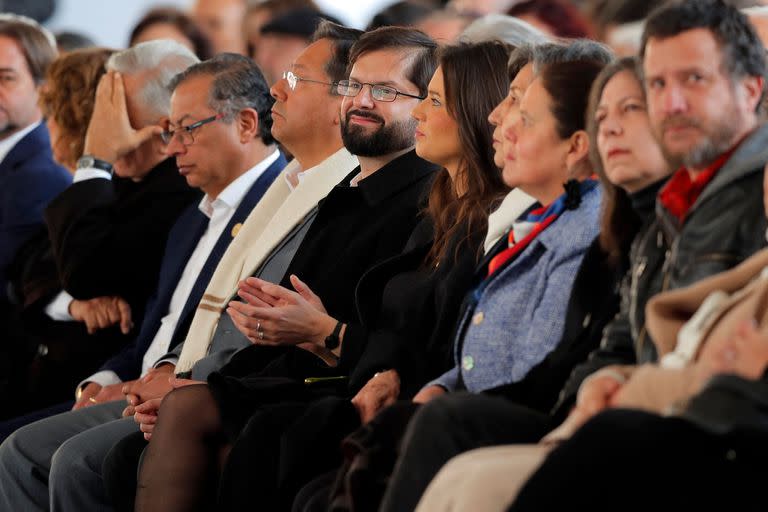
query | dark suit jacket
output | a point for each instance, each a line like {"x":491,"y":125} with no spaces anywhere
{"x":107,"y":236}
{"x":182,"y":241}
{"x":355,"y":229}
{"x":408,"y":312}
{"x":29,"y":179}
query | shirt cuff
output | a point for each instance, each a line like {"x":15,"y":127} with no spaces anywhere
{"x":102,"y":378}
{"x":449,"y":380}
{"x":58,"y":308}
{"x":173,"y":359}
{"x":89,"y":173}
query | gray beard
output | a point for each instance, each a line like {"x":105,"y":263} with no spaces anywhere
{"x":715,"y":143}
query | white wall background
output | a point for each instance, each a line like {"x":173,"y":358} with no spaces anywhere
{"x":109,"y":22}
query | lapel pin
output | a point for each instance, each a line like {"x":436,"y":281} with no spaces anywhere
{"x":236,"y":229}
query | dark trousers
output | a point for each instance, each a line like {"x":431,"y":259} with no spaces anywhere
{"x":10,"y":426}
{"x":632,"y":460}
{"x":451,"y":425}
{"x":120,"y":471}
{"x":282,"y":447}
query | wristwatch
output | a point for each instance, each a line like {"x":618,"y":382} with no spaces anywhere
{"x":91,"y":162}
{"x":332,"y":340}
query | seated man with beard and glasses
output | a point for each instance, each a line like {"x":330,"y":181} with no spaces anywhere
{"x":376,"y":200}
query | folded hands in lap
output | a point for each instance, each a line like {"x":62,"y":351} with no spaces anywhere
{"x":145,"y":414}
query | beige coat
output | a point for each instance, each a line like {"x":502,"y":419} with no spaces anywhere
{"x":278,"y":212}
{"x":684,"y":332}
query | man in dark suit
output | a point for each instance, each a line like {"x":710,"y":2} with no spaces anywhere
{"x":100,"y":224}
{"x":29,"y":178}
{"x":366,"y":218}
{"x":230,"y":170}
{"x":203,"y":231}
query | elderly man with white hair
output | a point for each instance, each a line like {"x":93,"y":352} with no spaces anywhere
{"x":113,"y":220}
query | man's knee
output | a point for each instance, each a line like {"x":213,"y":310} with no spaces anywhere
{"x":67,"y":462}
{"x":20,"y":446}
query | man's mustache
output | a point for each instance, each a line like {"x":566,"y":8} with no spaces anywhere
{"x":678,"y":121}
{"x":362,"y":113}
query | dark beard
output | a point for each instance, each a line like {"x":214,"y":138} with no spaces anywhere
{"x":388,"y":138}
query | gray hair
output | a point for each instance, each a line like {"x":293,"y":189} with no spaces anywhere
{"x":506,"y":29}
{"x":238,"y":84}
{"x":759,"y":11}
{"x":555,"y":53}
{"x":26,"y":20}
{"x":159,"y":61}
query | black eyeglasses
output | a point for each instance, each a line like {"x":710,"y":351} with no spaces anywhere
{"x":350,"y":88}
{"x":294,"y":79}
{"x":184,"y":133}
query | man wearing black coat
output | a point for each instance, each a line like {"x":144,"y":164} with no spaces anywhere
{"x":29,"y":177}
{"x":107,"y":232}
{"x":359,"y":218}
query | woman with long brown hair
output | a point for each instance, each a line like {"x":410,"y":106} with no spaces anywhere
{"x":408,"y":305}
{"x":632,"y":169}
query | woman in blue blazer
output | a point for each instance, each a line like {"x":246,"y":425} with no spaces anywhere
{"x":516,"y":316}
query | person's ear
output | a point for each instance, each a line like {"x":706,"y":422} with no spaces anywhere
{"x":578,"y":151}
{"x":753,"y":88}
{"x":336,"y":112}
{"x":248,"y":125}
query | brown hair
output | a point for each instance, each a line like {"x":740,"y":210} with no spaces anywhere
{"x":69,"y":94}
{"x":341,"y":38}
{"x":619,"y":222}
{"x":421,"y":48}
{"x":568,"y":84}
{"x":475,"y":82}
{"x":182,"y":22}
{"x":274,"y":8}
{"x":36,"y":44}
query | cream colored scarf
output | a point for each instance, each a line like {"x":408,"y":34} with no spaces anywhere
{"x":273,"y":217}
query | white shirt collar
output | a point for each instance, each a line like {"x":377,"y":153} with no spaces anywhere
{"x":293,"y":170}
{"x":233,"y":194}
{"x":7,"y":144}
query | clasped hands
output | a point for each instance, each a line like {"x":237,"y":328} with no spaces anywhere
{"x":274,"y":315}
{"x":144,"y":396}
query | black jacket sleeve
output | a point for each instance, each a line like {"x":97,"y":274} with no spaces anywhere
{"x":108,"y":235}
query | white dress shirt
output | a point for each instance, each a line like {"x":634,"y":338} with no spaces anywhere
{"x":293,"y":173}
{"x":219,"y":211}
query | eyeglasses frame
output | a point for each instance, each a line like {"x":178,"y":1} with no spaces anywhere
{"x":168,"y":135}
{"x":298,"y":79}
{"x":397,"y":93}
